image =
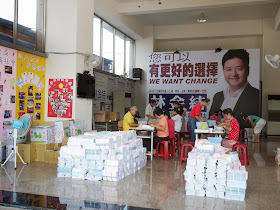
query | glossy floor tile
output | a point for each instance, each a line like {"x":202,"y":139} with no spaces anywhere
{"x":159,"y":185}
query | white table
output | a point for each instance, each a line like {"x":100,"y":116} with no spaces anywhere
{"x":216,"y":132}
{"x":143,"y":136}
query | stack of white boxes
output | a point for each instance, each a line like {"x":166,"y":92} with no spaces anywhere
{"x":236,"y":180}
{"x":105,"y":155}
{"x":214,"y":174}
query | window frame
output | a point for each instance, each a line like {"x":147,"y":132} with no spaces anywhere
{"x":114,"y":47}
{"x":40,"y":41}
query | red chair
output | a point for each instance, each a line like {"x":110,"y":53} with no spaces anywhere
{"x":243,"y":135}
{"x":242,"y":153}
{"x":189,"y":146}
{"x":177,"y":142}
{"x":164,"y":149}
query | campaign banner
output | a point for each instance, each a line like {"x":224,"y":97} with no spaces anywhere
{"x":230,"y":79}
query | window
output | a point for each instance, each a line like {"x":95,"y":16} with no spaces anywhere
{"x":29,"y":30}
{"x":108,"y":48}
{"x":27,"y":23}
{"x":6,"y":20}
{"x":119,"y":53}
{"x":97,"y":35}
{"x":115,"y":48}
{"x":129,"y":55}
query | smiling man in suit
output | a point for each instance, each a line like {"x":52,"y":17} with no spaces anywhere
{"x":240,"y":96}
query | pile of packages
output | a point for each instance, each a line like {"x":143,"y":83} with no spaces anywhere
{"x":211,"y":172}
{"x":102,"y":156}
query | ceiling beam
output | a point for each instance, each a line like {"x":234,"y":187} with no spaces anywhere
{"x":277,"y":21}
{"x":152,"y":6}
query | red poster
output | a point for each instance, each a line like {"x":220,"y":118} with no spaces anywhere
{"x":60,"y":98}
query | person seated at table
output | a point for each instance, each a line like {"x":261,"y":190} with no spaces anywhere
{"x":162,"y":130}
{"x":216,"y":117}
{"x":171,"y":125}
{"x":128,"y":121}
{"x":178,"y":119}
{"x":257,"y":123}
{"x":233,"y":126}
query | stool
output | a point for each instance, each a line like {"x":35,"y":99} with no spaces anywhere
{"x":172,"y":147}
{"x":243,"y":135}
{"x":177,"y":142}
{"x":165,"y":149}
{"x":182,"y":156}
{"x":242,"y":153}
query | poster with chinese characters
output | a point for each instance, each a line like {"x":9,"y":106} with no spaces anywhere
{"x":30,"y":85}
{"x":8,"y":67}
{"x":230,"y":79}
{"x":60,"y":98}
{"x":100,"y":86}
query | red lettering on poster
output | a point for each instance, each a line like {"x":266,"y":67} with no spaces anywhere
{"x":154,"y":70}
{"x":165,"y":70}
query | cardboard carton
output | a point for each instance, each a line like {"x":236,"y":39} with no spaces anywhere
{"x":51,"y":156}
{"x":114,"y":116}
{"x":64,"y":141}
{"x":38,"y":152}
{"x":10,"y":135}
{"x":101,"y":116}
{"x":42,"y":134}
{"x":25,"y":152}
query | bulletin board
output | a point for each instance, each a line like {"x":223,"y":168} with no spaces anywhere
{"x":60,"y":98}
{"x":8,"y":66}
{"x":30,"y":80}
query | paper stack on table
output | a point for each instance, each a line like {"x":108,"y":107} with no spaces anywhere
{"x":211,"y":172}
{"x":102,"y":155}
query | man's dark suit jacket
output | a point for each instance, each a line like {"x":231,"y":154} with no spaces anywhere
{"x":248,"y":103}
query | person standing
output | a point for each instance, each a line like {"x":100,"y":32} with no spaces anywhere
{"x":195,"y":116}
{"x":257,"y":123}
{"x":128,"y":121}
{"x":149,"y":111}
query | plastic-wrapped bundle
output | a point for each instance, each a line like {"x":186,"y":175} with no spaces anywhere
{"x":78,"y":173}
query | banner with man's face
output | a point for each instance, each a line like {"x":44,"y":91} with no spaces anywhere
{"x":230,"y":79}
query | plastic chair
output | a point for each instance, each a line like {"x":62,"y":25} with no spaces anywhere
{"x":189,"y":146}
{"x":242,"y":153}
{"x":177,"y":142}
{"x":164,"y":149}
{"x":243,"y":135}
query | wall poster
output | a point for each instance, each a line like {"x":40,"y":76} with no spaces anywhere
{"x":8,"y":67}
{"x":60,"y":98}
{"x":230,"y":79}
{"x":30,"y":83}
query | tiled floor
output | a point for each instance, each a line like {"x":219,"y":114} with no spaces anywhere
{"x":159,"y":185}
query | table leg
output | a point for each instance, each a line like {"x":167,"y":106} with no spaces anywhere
{"x":196,"y":136}
{"x":152,"y":145}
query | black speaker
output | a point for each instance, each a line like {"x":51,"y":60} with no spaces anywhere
{"x":137,"y":73}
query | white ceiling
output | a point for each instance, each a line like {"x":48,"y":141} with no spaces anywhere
{"x":218,"y":14}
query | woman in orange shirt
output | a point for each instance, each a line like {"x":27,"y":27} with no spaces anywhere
{"x":162,"y":129}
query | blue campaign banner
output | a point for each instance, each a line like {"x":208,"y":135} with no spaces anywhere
{"x":165,"y":101}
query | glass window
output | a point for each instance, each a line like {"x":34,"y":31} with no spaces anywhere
{"x":27,"y":10}
{"x":129,"y":55}
{"x":6,"y":20}
{"x":108,"y":47}
{"x":119,"y":53}
{"x":96,"y":35}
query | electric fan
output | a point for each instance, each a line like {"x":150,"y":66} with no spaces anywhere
{"x":273,"y":61}
{"x":21,"y":127}
{"x":92,"y":61}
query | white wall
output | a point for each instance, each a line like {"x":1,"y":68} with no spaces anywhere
{"x":144,"y":47}
{"x":69,"y":31}
{"x":107,"y":9}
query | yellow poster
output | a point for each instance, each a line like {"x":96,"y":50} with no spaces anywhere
{"x":30,"y":85}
